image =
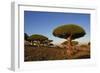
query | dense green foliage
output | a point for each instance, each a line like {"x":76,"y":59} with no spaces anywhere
{"x":65,"y":31}
{"x":37,"y":37}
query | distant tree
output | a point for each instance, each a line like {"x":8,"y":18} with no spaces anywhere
{"x":26,"y":36}
{"x":47,"y":42}
{"x":73,"y":43}
{"x":39,"y":39}
{"x":69,"y":32}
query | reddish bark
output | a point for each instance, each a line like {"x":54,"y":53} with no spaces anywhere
{"x":69,"y":46}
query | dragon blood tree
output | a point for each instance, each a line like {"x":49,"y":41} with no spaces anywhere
{"x":38,"y":39}
{"x":69,"y":32}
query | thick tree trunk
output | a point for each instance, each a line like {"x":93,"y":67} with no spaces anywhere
{"x":69,"y":43}
{"x":69,"y":47}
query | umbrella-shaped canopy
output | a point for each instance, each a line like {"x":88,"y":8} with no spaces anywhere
{"x":37,"y":37}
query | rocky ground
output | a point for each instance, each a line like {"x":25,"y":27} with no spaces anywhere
{"x":32,"y":53}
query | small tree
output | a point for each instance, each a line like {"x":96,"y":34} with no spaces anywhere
{"x":37,"y":39}
{"x":69,"y":32}
{"x":73,"y":43}
{"x":47,"y":42}
{"x":26,"y":36}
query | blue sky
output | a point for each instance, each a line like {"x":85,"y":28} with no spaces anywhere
{"x":36,"y":22}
